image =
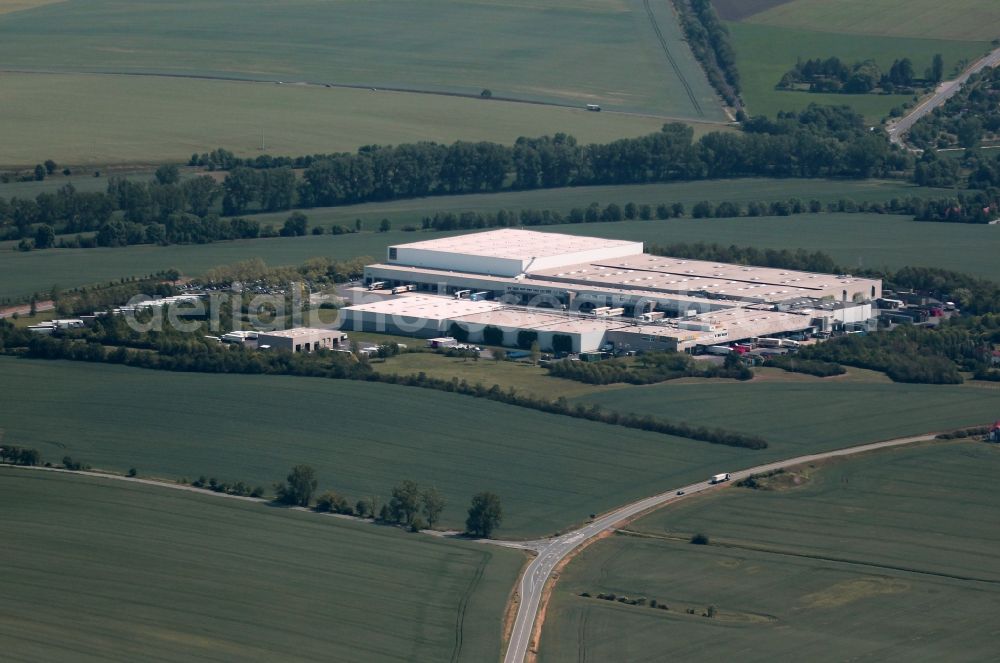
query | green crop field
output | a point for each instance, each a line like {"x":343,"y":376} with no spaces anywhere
{"x":973,"y":20}
{"x":765,"y":52}
{"x":561,"y":52}
{"x":744,"y":190}
{"x":549,"y":471}
{"x":803,"y":416}
{"x":143,"y":119}
{"x":865,"y":240}
{"x":887,"y":557}
{"x":520,"y":375}
{"x":37,"y":271}
{"x":101,"y":570}
{"x":81,"y":181}
{"x":873,"y":240}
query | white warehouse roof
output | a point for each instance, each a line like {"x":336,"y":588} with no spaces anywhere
{"x":509,"y":251}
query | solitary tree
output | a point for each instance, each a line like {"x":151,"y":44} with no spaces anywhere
{"x":384,"y":226}
{"x":433,"y":503}
{"x":536,"y":352}
{"x":937,"y":68}
{"x":405,"y":502}
{"x":39,"y":172}
{"x":485,"y":515}
{"x":299,"y":487}
{"x":295,"y":225}
{"x":50,"y":166}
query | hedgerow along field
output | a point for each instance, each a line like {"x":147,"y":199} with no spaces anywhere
{"x":742,"y":190}
{"x":806,"y":414}
{"x":144,"y":119}
{"x":558,"y":51}
{"x":114,"y":571}
{"x":363,"y":438}
{"x":962,"y":20}
{"x":849,"y":565}
{"x":873,"y":240}
{"x":765,"y":52}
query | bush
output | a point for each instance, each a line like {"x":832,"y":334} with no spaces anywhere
{"x":332,"y":502}
{"x":699,"y":539}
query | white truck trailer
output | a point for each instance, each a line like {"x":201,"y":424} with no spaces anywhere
{"x":719,"y":478}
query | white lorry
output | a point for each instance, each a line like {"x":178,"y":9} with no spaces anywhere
{"x":719,"y":478}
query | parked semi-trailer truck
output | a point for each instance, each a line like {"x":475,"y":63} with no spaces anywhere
{"x":718,"y":350}
{"x":719,"y":478}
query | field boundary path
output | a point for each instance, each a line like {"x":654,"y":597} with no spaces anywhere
{"x":943,"y":93}
{"x":552,"y":552}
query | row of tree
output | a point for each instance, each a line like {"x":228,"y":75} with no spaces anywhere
{"x":14,"y":455}
{"x":710,"y":42}
{"x":649,"y":368}
{"x":834,"y":75}
{"x":407,"y":503}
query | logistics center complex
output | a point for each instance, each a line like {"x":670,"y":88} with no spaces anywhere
{"x":598,"y":293}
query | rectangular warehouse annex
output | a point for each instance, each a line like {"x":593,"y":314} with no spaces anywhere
{"x":508,"y":252}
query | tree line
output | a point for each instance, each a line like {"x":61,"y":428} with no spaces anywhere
{"x":648,"y":368}
{"x":711,"y":44}
{"x":407,"y":503}
{"x":815,"y":142}
{"x":834,"y":75}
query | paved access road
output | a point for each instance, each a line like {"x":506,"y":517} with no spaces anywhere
{"x":943,"y":92}
{"x":552,"y":551}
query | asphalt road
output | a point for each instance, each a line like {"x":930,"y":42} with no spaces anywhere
{"x":552,"y":551}
{"x":943,"y":92}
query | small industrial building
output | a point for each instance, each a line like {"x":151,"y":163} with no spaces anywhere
{"x":598,"y":292}
{"x":302,"y":339}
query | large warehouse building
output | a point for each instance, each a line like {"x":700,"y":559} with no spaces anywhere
{"x":598,"y":292}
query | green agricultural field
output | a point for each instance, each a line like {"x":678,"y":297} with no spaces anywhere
{"x":363,"y":438}
{"x":867,"y":240}
{"x":83,"y":181}
{"x":144,"y":119}
{"x":744,"y":190}
{"x":972,"y":20}
{"x":24,"y":273}
{"x":890,"y":556}
{"x":556,"y":51}
{"x":101,"y":570}
{"x":873,"y":240}
{"x":520,"y":375}
{"x":764,"y":53}
{"x":807,"y":415}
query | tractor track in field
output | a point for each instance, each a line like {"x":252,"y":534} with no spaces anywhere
{"x":358,"y":86}
{"x":670,"y":58}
